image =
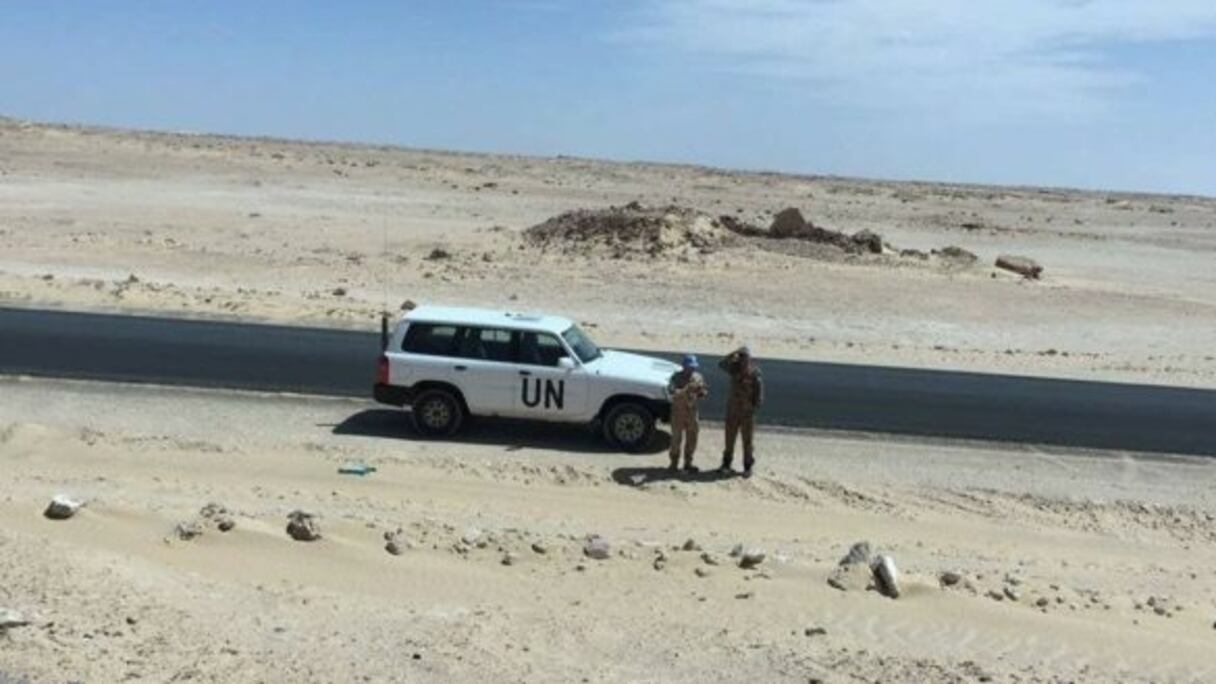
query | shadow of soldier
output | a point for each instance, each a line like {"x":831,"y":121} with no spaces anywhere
{"x":640,"y":476}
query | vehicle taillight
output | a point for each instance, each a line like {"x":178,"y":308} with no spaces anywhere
{"x":382,"y":370}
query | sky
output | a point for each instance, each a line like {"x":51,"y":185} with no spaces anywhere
{"x":1105,"y":94}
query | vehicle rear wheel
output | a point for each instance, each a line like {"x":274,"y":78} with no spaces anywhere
{"x":629,"y":426}
{"x":437,"y":413}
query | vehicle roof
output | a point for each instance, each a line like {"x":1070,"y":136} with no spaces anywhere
{"x":456,"y":315}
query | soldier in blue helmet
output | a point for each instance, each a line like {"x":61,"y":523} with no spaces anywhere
{"x":687,"y":389}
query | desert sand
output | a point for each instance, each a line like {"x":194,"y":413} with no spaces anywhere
{"x":331,"y":234}
{"x":1071,"y":566}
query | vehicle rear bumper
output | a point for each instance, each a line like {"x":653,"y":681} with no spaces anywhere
{"x":392,"y":395}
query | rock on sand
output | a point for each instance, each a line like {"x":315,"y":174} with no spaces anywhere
{"x":61,"y":508}
{"x":597,"y":548}
{"x":303,"y":526}
{"x":886,"y":576}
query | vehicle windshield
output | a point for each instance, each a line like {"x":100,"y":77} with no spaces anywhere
{"x":582,"y":345}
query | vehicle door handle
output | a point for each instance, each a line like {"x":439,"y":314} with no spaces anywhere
{"x":525,"y":372}
{"x":461,"y":368}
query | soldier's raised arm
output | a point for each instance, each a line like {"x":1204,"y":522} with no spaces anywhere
{"x":758,"y":396}
{"x":724,"y":363}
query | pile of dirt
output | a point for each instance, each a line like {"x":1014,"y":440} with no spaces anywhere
{"x":631,"y":231}
{"x":639,"y":231}
{"x":789,"y":224}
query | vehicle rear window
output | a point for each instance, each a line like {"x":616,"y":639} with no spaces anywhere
{"x":429,"y":339}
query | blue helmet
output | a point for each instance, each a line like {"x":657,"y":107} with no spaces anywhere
{"x":690,"y":361}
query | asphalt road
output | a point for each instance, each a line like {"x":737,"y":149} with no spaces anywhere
{"x":804,"y":394}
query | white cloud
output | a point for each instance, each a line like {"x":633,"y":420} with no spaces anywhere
{"x":972,"y":58}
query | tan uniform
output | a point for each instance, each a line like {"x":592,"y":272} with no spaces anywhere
{"x":687,"y":388}
{"x":746,"y":395}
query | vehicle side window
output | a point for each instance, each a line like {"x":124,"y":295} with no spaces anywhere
{"x":429,"y":339}
{"x":539,"y":349}
{"x":485,"y":344}
{"x":498,"y":345}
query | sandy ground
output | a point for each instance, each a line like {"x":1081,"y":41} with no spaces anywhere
{"x":1102,"y":562}
{"x":329,"y":234}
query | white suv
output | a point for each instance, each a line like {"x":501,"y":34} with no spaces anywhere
{"x":449,"y":363}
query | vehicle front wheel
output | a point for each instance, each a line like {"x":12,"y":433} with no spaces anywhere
{"x":629,"y":426}
{"x":437,"y":413}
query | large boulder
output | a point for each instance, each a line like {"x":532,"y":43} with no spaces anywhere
{"x":788,"y":223}
{"x":868,"y":241}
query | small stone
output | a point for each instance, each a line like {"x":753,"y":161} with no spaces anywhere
{"x":472,"y":537}
{"x":339,"y":292}
{"x":709,"y":559}
{"x":508,"y":559}
{"x":132,"y":621}
{"x":745,"y":595}
{"x":851,"y":577}
{"x":395,"y":543}
{"x":886,"y":576}
{"x":597,"y":548}
{"x":188,"y":531}
{"x":1027,"y":268}
{"x":701,"y":571}
{"x":225,"y":524}
{"x":859,"y":553}
{"x":539,"y":548}
{"x":691,"y":545}
{"x":996,"y":595}
{"x":751,"y":558}
{"x":1012,"y":594}
{"x":61,"y":508}
{"x":659,"y":563}
{"x":950,"y":578}
{"x":11,"y":619}
{"x":736,"y":551}
{"x":1042,"y":602}
{"x":303,"y":526}
{"x":814,"y":631}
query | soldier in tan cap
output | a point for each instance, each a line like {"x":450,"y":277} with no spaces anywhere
{"x":686,"y":387}
{"x":746,"y":395}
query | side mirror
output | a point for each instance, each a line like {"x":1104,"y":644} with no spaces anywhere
{"x":566,"y":363}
